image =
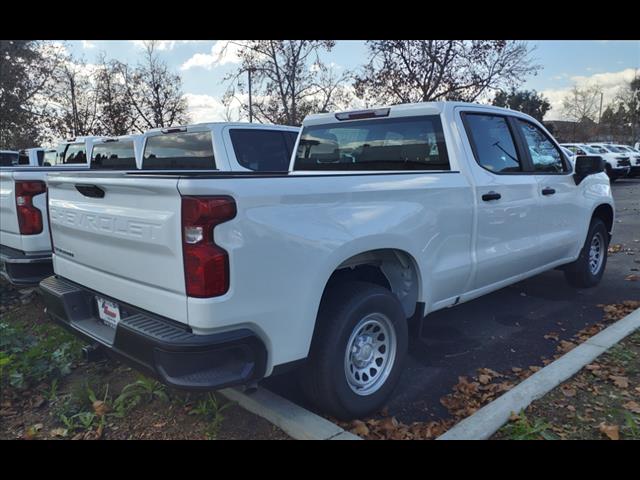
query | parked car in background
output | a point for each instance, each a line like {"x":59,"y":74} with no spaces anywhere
{"x":232,"y":147}
{"x":117,"y":153}
{"x":617,"y":165}
{"x":8,"y":158}
{"x":570,"y":155}
{"x":634,"y":158}
{"x":207,"y":279}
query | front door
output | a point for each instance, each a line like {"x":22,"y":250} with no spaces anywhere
{"x":560,"y":215}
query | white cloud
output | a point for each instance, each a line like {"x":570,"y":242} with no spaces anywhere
{"x":165,"y":44}
{"x":87,"y":44}
{"x":205,"y":108}
{"x":222,"y":52}
{"x":609,"y":82}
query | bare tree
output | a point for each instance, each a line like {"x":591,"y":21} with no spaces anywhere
{"x":407,"y":71}
{"x":117,"y":114}
{"x":582,"y":103}
{"x":289,"y":80}
{"x":76,"y":100}
{"x":154,"y":92}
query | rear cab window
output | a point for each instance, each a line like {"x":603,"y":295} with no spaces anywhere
{"x":405,"y":143}
{"x":7,"y":159}
{"x":23,"y":158}
{"x":263,"y":150}
{"x":179,"y":150}
{"x":74,"y":153}
{"x":115,"y":155}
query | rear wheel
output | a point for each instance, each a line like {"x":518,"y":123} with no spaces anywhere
{"x":357,"y":351}
{"x":588,"y":269}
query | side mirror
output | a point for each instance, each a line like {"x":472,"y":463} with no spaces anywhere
{"x":587,"y":165}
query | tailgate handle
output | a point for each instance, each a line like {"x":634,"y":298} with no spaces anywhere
{"x":92,"y":191}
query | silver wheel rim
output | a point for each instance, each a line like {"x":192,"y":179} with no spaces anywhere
{"x":596,"y":253}
{"x":370,"y":354}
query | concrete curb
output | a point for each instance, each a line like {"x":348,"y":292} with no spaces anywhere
{"x":296,"y":421}
{"x":486,"y":421}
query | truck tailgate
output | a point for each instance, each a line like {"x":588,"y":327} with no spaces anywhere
{"x":120,"y":236}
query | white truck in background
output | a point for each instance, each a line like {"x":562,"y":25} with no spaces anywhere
{"x":25,"y":245}
{"x":207,"y":279}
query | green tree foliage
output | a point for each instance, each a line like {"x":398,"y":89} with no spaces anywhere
{"x":526,"y":101}
{"x":27,"y":70}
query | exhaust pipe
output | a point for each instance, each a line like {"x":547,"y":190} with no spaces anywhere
{"x":92,"y":353}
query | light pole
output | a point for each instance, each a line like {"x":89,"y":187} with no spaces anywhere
{"x":249,"y":71}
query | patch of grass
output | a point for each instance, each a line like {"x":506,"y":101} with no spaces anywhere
{"x":142,"y":390}
{"x":30,"y":356}
{"x":211,"y":409}
{"x":631,"y":427}
{"x":621,"y":354}
{"x":526,"y":429}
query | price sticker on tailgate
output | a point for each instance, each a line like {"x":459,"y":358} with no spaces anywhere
{"x":109,"y":312}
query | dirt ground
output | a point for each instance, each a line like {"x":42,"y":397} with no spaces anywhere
{"x":48,"y":392}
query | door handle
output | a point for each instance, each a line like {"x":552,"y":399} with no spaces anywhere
{"x":548,"y":191}
{"x":491,"y":196}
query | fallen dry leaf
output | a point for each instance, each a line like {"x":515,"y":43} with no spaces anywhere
{"x":359,"y":428}
{"x":611,"y":431}
{"x":59,"y":432}
{"x":621,"y":382}
{"x":632,"y":278}
{"x":632,"y":406}
{"x":101,"y":408}
{"x":568,"y":392}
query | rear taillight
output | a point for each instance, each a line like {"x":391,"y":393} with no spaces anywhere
{"x":29,"y":217}
{"x":206,"y":265}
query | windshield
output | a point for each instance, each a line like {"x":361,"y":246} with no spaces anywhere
{"x":50,"y":157}
{"x":414,"y":143}
{"x":589,"y":149}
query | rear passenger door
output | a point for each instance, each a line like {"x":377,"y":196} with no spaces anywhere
{"x":560,"y":216}
{"x":507,"y":238}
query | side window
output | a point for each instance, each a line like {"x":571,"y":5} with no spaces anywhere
{"x":74,"y":154}
{"x":261,"y":150}
{"x":546,"y":158}
{"x":40,"y":154}
{"x":492,"y":142}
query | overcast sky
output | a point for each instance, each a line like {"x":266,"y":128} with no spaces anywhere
{"x":564,"y":62}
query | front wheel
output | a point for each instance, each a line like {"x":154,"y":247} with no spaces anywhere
{"x":357,"y":351}
{"x":588,"y":269}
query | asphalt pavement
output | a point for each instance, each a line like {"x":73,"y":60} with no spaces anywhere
{"x":506,"y":328}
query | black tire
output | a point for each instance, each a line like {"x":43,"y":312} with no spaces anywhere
{"x":323,"y":377}
{"x":579,"y":273}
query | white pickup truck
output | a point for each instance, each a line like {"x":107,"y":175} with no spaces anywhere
{"x":211,"y":279}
